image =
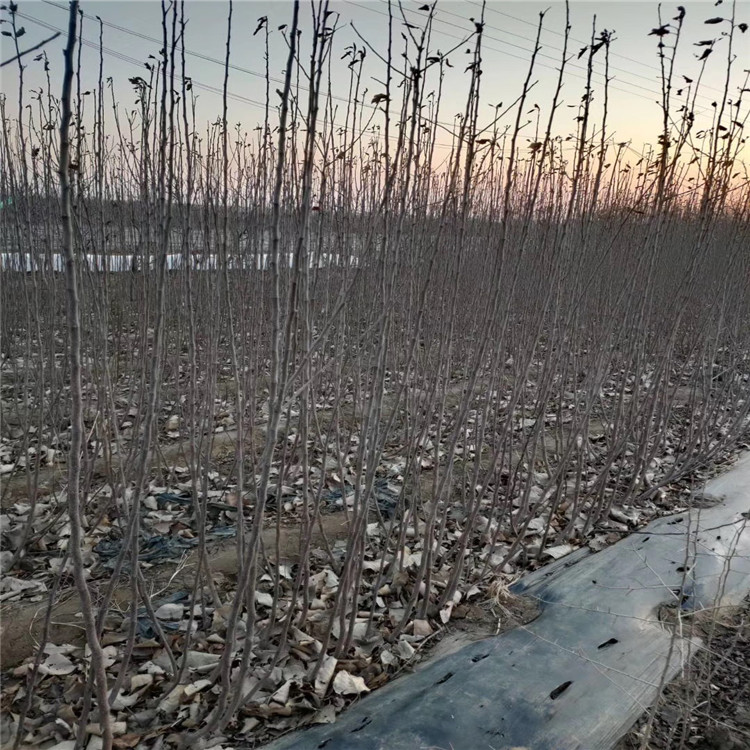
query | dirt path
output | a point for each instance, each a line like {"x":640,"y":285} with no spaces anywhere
{"x":23,"y":623}
{"x":51,"y":478}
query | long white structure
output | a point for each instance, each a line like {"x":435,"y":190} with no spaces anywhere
{"x":28,"y":262}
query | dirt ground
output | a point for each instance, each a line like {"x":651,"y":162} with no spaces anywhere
{"x":709,"y":707}
{"x":472,"y":622}
{"x":23,"y":623}
{"x":708,"y":710}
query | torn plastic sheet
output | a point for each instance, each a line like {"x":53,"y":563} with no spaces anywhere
{"x":164,"y":499}
{"x":385,"y":494}
{"x":152,"y":549}
{"x":155,"y":548}
{"x":145,"y":623}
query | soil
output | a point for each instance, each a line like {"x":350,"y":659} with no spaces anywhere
{"x":51,"y":478}
{"x":474,"y":621}
{"x":709,"y":707}
{"x":23,"y":623}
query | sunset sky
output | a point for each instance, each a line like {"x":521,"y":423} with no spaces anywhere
{"x":132,"y":31}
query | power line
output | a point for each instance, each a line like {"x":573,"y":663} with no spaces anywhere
{"x":652,"y":91}
{"x":221,"y":63}
{"x":154,"y":40}
{"x":133,"y":61}
{"x":345,"y":100}
{"x":614,"y":53}
{"x":516,"y":57}
{"x":207,"y":87}
{"x":570,"y":65}
{"x":262,"y":105}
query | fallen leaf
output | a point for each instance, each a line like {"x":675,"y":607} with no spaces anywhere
{"x":200,"y":661}
{"x":405,"y":650}
{"x":421,"y":628}
{"x":140,"y":680}
{"x":559,"y":551}
{"x":281,"y":696}
{"x":118,"y":727}
{"x":388,"y":659}
{"x":57,"y":664}
{"x":170,"y":612}
{"x":325,"y":673}
{"x":326,"y":715}
{"x":445,"y":613}
{"x":196,"y":687}
{"x":123,"y":701}
{"x":265,"y":600}
{"x":127,"y":740}
{"x":348,"y":684}
{"x":171,"y":702}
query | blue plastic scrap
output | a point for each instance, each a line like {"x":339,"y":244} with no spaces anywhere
{"x":146,"y":627}
{"x":152,"y":549}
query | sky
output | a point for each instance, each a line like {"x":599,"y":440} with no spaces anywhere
{"x":133,"y":27}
